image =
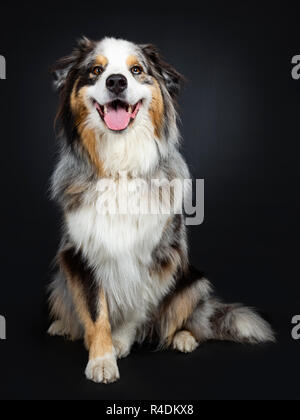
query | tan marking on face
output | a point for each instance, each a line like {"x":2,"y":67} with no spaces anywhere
{"x":132,"y":60}
{"x":98,"y":339}
{"x":156,"y":109}
{"x":88,"y":138}
{"x":101,"y":60}
{"x":90,"y":143}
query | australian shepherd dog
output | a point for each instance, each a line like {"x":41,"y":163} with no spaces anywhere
{"x":124,"y":277}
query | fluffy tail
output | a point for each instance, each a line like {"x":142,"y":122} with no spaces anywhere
{"x":214,"y":320}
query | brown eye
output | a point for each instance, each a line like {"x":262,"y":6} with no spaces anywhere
{"x":97,"y":70}
{"x":136,"y":70}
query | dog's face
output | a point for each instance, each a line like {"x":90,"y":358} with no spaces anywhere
{"x":113,"y":85}
{"x":122,"y":88}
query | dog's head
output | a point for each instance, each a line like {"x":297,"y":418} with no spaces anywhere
{"x":115,"y":88}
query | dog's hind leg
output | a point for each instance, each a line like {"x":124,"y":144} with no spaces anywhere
{"x":66,"y":322}
{"x":190,"y":315}
{"x":178,"y":307}
{"x":92,"y":310}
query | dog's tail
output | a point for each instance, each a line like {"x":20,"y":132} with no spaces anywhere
{"x":214,"y":320}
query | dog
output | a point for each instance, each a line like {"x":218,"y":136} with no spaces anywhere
{"x":126,"y":278}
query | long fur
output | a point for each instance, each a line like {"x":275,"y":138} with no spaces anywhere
{"x":123,"y":277}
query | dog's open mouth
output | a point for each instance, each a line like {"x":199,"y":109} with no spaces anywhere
{"x":118,"y":115}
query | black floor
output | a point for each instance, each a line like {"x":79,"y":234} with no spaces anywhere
{"x":35,"y":366}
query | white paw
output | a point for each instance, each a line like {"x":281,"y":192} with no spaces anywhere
{"x":122,"y":347}
{"x":103,"y":370}
{"x":184,"y":342}
{"x":57,"y":328}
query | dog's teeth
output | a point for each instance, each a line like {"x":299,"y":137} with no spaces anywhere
{"x":105,"y":109}
{"x":130,"y":109}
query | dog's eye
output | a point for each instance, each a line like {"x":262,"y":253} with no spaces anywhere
{"x":97,"y":70}
{"x":136,"y":70}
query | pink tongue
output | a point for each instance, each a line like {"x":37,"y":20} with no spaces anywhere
{"x":117,"y":119}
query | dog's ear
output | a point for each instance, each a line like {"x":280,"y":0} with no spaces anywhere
{"x":61,"y":70}
{"x":172,"y":78}
{"x":62,"y":67}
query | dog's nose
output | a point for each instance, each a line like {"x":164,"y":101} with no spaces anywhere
{"x":116,"y":83}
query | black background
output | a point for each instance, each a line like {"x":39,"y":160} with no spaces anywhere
{"x":240,"y":113}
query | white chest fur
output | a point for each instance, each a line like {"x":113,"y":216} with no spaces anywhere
{"x":119,"y":247}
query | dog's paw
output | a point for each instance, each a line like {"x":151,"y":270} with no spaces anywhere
{"x":103,"y":370}
{"x":122,"y":347}
{"x":57,"y":328}
{"x":184,"y":342}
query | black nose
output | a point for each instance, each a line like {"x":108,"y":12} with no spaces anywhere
{"x":116,"y":83}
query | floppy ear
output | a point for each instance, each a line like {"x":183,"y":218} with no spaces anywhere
{"x":61,"y":70}
{"x":171,"y":77}
{"x":62,"y":67}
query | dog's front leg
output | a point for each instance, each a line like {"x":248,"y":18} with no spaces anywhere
{"x":92,"y":309}
{"x":102,"y":366}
